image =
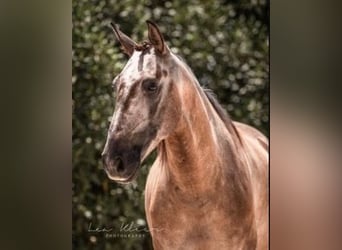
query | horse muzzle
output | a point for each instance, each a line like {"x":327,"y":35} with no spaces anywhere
{"x":122,"y":166}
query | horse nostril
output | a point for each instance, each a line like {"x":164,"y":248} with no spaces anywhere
{"x":119,"y":165}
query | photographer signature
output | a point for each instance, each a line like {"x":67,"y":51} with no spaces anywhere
{"x":124,"y":228}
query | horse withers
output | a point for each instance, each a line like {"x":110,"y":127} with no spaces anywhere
{"x":208,"y":187}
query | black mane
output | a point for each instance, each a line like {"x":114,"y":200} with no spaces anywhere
{"x":221,"y":111}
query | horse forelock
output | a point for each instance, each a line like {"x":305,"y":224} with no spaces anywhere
{"x":145,"y":45}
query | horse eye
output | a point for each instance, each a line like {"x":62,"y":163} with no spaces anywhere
{"x":150,"y":86}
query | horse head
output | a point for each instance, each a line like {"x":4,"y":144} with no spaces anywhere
{"x":147,"y":104}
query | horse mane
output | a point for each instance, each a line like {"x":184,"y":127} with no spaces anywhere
{"x":214,"y":102}
{"x":221,"y":112}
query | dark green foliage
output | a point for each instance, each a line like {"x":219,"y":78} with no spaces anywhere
{"x":225,"y":43}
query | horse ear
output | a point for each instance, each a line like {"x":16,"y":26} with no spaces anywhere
{"x":127,"y":44}
{"x":156,"y":38}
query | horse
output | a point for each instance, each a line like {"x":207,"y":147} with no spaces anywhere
{"x":208,"y":186}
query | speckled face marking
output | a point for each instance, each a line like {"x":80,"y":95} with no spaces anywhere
{"x":128,"y":85}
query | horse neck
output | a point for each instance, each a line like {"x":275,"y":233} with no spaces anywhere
{"x":193,"y":152}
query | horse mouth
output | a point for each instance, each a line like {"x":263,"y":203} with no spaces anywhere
{"x":124,"y":180}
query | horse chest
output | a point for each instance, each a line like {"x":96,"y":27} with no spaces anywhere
{"x":175,"y":224}
{"x":175,"y":227}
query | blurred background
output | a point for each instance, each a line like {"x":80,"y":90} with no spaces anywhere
{"x":225,"y":43}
